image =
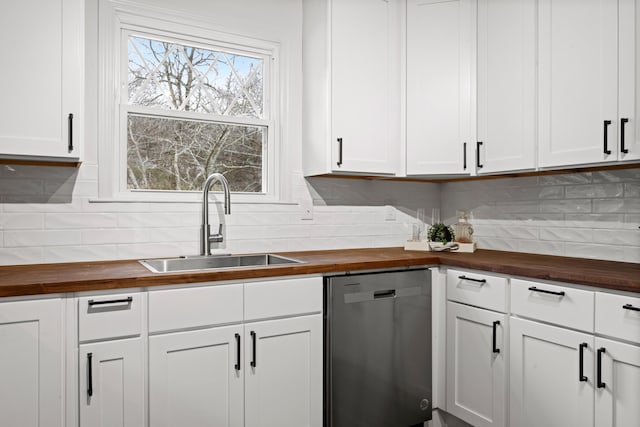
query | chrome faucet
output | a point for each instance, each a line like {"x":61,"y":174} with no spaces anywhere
{"x":206,"y":238}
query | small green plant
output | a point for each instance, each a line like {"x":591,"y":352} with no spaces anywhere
{"x":441,"y":233}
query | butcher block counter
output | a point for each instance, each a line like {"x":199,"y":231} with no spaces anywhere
{"x":91,"y":276}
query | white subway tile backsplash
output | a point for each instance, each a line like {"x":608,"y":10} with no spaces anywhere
{"x":79,"y":253}
{"x":608,"y":205}
{"x":562,"y":206}
{"x":80,"y":220}
{"x":579,"y":235}
{"x":617,"y":237}
{"x":632,"y":189}
{"x":593,"y":211}
{"x":28,"y":187}
{"x":15,"y":221}
{"x":595,"y":220}
{"x":161,"y":219}
{"x":36,"y":238}
{"x":593,"y":191}
{"x":540,"y":247}
{"x":594,"y":251}
{"x":57,"y":217}
{"x":562,"y":179}
{"x":32,"y":255}
{"x":623,"y":175}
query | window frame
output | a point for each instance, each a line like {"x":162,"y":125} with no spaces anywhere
{"x":117,"y":22}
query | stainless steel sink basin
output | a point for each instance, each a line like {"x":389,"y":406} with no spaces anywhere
{"x":168,"y":265}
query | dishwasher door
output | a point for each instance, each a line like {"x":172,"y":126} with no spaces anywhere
{"x":378,"y":349}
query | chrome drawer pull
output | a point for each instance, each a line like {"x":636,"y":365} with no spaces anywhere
{"x":544,"y":291}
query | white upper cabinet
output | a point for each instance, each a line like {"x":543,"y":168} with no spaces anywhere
{"x":578,"y":82}
{"x":351,"y":118}
{"x":506,"y":85}
{"x":41,"y":80}
{"x":440,"y":69}
{"x":629,"y":81}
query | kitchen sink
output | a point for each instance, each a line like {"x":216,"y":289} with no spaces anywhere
{"x":196,"y":263}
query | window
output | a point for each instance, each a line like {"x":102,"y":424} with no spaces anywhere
{"x":192,"y":101}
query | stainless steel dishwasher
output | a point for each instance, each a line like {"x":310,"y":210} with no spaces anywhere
{"x":378,"y":349}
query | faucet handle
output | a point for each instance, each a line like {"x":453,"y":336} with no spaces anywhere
{"x":217,"y":238}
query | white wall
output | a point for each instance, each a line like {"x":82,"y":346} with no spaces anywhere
{"x":52,"y":214}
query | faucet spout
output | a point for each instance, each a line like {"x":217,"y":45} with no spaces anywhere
{"x":206,"y":238}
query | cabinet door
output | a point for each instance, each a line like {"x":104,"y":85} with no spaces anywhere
{"x":284,"y":372}
{"x":578,"y":81}
{"x":364,"y":58}
{"x":112,"y":384}
{"x":629,"y":75}
{"x":440,"y":57}
{"x":31,"y":363}
{"x":506,"y":84}
{"x":545,"y":378}
{"x":196,"y":378}
{"x":476,"y":369}
{"x":617,"y":399}
{"x":42,"y":40}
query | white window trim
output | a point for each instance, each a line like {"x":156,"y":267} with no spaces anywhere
{"x":115,"y":18}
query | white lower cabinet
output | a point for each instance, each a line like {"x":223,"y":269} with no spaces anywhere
{"x":568,"y":356}
{"x":283,"y":376}
{"x":112,"y":384}
{"x":196,"y":378}
{"x":476,"y":369}
{"x":31,"y":363}
{"x":254,"y":361}
{"x":549,"y":385}
{"x":618,"y":385}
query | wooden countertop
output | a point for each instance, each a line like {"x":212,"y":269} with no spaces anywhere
{"x":90,"y":276}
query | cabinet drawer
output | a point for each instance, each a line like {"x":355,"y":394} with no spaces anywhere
{"x":616,"y":316}
{"x":195,"y":307}
{"x":565,"y":306}
{"x":109,"y":316}
{"x":477,"y":288}
{"x":282,"y":298}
